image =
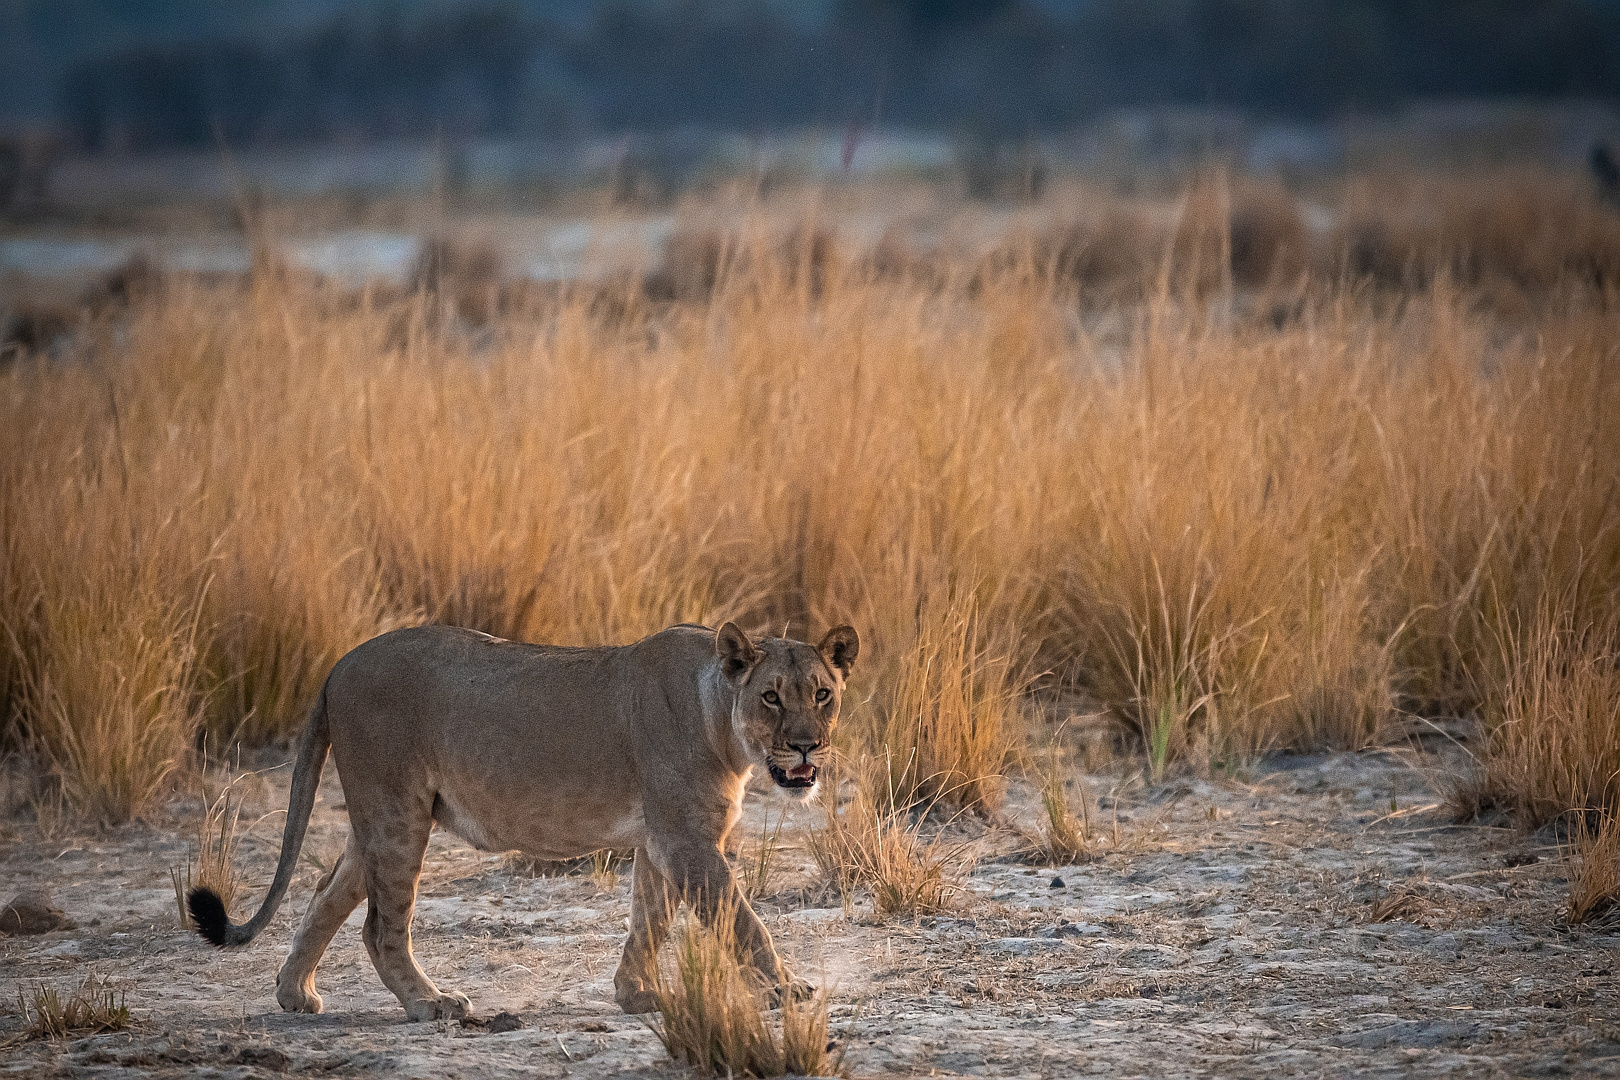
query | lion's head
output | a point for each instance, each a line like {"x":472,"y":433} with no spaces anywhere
{"x":788,"y":695}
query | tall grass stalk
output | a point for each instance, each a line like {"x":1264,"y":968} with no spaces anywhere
{"x":212,"y":863}
{"x":1553,"y":719}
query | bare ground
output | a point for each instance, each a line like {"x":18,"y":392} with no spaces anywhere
{"x":1318,"y":917}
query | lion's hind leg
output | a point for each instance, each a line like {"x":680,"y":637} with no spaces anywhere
{"x":337,"y":895}
{"x":393,"y":865}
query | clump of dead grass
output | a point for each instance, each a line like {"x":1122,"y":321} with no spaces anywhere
{"x":1397,"y":904}
{"x":1064,"y":837}
{"x":945,"y":723}
{"x":211,"y":864}
{"x":89,"y":1008}
{"x":108,"y":683}
{"x":711,"y":1014}
{"x":1553,"y":720}
{"x":1594,"y":877}
{"x":1530,"y":230}
{"x":876,"y":843}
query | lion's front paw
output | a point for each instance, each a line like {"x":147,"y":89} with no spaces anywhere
{"x":633,"y":993}
{"x":636,"y":999}
{"x":298,"y":997}
{"x":792,"y":990}
{"x":451,"y":1006}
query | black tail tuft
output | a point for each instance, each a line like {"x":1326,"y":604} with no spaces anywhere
{"x":208,"y":912}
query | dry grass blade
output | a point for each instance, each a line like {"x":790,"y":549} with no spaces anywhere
{"x":756,"y":868}
{"x":1396,"y":905}
{"x":89,"y":1008}
{"x":1594,"y":876}
{"x":212,"y":864}
{"x":711,"y":1014}
{"x":1065,"y":838}
{"x":883,"y":850}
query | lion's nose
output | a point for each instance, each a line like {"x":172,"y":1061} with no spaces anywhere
{"x":804,"y":748}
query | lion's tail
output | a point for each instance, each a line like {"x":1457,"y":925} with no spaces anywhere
{"x":207,"y":909}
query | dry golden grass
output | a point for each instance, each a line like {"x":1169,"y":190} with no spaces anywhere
{"x":212,"y":864}
{"x":108,"y":686}
{"x":1244,"y":502}
{"x":711,"y":1018}
{"x":89,"y":1008}
{"x":1526,"y":229}
{"x":876,"y":844}
{"x":944,"y":717}
{"x":1553,"y":714}
{"x":1065,"y":837}
{"x":1594,"y":882}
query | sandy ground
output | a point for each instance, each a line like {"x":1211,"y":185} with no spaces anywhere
{"x":1231,"y":933}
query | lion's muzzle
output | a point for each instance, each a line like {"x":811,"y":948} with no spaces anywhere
{"x":794,"y":774}
{"x":802,"y":775}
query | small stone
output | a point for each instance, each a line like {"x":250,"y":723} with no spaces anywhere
{"x":501,"y":1021}
{"x":32,"y":912}
{"x":504,"y":1021}
{"x":1058,"y":883}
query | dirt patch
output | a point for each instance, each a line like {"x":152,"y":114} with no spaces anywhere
{"x":1320,"y":917}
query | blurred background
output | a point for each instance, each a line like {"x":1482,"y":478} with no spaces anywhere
{"x":115,"y":112}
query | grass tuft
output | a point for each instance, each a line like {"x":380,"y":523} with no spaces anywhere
{"x":711,"y":1014}
{"x":1594,"y":878}
{"x":90,"y":1008}
{"x":946,"y":721}
{"x":1553,"y":720}
{"x":1065,"y":838}
{"x":875,"y":844}
{"x":212,"y":864}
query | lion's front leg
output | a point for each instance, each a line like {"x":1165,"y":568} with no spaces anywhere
{"x":652,"y":908}
{"x":709,"y":886}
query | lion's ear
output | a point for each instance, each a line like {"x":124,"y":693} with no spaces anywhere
{"x":737,"y":654}
{"x":839,"y":648}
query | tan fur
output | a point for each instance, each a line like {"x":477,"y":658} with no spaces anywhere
{"x":555,"y":752}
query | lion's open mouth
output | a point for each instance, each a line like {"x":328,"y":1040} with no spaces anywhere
{"x":802,"y":775}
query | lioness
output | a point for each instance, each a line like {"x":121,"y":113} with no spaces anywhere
{"x":555,"y":752}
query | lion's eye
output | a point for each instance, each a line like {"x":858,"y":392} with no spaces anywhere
{"x":823,"y":694}
{"x":771,"y":698}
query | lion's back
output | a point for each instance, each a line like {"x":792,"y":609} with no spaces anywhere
{"x":520,"y":746}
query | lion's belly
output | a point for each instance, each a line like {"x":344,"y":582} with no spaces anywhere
{"x":548,"y":828}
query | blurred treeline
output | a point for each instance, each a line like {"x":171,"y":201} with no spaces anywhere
{"x":507,"y":68}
